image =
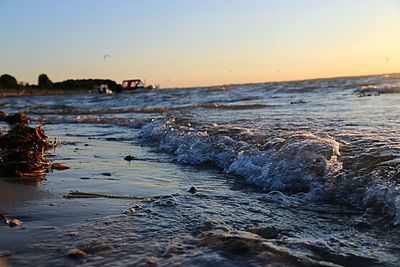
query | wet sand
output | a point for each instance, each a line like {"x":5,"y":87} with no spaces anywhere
{"x":225,"y":223}
{"x":13,"y":195}
{"x":97,"y":165}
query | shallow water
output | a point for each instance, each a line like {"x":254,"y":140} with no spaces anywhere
{"x":298,"y":173}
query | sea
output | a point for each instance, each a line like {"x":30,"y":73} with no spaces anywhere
{"x":298,"y":173}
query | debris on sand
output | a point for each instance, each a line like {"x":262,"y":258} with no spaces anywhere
{"x":76,"y":253}
{"x":10,"y":222}
{"x":14,"y":222}
{"x":80,"y":194}
{"x":59,"y":167}
{"x":192,"y":190}
{"x":129,"y":158}
{"x":22,"y":149}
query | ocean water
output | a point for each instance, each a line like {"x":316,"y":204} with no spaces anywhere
{"x":297,"y":173}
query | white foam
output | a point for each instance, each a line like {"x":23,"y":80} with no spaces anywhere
{"x":298,"y":164}
{"x":305,"y":165}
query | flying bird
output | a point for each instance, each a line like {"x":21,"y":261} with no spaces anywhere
{"x":106,"y":57}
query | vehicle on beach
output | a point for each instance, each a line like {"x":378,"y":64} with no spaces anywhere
{"x":135,"y":84}
{"x":127,"y":86}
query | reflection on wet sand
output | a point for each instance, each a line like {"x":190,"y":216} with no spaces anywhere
{"x":14,"y":194}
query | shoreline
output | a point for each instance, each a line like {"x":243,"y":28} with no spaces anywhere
{"x":39,"y":92}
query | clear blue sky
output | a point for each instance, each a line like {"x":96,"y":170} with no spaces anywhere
{"x":188,"y":42}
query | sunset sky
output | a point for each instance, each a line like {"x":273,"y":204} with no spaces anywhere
{"x":204,"y":42}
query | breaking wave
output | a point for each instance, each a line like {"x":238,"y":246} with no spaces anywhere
{"x":308,"y":166}
{"x":378,"y":88}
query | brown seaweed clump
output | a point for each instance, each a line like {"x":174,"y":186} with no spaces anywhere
{"x":22,"y":148}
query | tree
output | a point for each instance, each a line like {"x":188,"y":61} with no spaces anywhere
{"x":44,"y":81}
{"x":8,"y":82}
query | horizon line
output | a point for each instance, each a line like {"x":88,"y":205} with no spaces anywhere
{"x":233,"y":84}
{"x":289,"y":80}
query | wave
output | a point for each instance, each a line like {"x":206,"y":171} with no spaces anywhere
{"x":68,"y":110}
{"x":377,"y":89}
{"x":308,"y":166}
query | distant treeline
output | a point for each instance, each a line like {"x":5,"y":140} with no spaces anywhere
{"x":9,"y":82}
{"x":87,"y":84}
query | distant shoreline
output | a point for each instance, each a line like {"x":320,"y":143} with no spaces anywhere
{"x":26,"y":91}
{"x":38,"y":92}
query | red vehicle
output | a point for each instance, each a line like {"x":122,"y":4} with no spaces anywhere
{"x":132,"y":84}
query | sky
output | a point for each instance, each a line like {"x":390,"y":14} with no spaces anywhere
{"x":181,"y":43}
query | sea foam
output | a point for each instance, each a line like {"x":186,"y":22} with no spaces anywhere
{"x":299,"y":164}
